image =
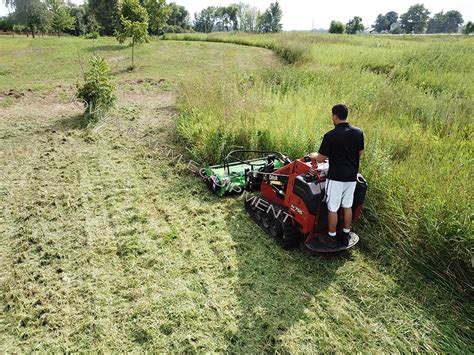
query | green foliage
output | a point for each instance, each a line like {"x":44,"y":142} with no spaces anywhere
{"x":204,"y":20}
{"x":469,"y":28}
{"x":174,"y":29}
{"x":448,"y":22}
{"x":32,"y":14}
{"x":79,"y":15}
{"x":415,"y":19}
{"x":7,"y":23}
{"x":270,"y":20}
{"x":239,"y":17}
{"x":92,"y":35}
{"x":97,"y":93}
{"x":248,"y":18}
{"x":337,"y":27}
{"x":99,"y":226}
{"x":92,"y":26}
{"x":60,"y":18}
{"x":158,"y":14}
{"x":179,"y":16}
{"x":133,"y":24}
{"x":355,"y":25}
{"x":413,"y":99}
{"x":106,"y":14}
{"x":383,"y":23}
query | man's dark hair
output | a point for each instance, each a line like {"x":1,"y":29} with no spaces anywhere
{"x":341,"y":111}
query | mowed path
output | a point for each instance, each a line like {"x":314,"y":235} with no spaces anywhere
{"x":108,"y":245}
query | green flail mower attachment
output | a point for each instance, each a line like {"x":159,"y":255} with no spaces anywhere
{"x":231,"y":177}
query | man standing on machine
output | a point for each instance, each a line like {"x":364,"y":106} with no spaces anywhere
{"x":343,"y":146}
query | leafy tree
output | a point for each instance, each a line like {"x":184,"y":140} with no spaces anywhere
{"x":204,"y":20}
{"x":60,"y":18}
{"x":453,"y":21}
{"x":415,"y":19}
{"x":133,"y":24}
{"x":355,"y":25}
{"x":33,"y":14}
{"x":469,"y":28}
{"x":337,"y":27}
{"x":7,"y":23}
{"x":92,"y":26}
{"x":221,"y":20}
{"x":247,"y":18}
{"x":391,"y":17}
{"x":437,"y":23}
{"x":106,"y":14}
{"x":179,"y":16}
{"x":384,"y":22}
{"x":226,"y":18}
{"x":448,"y":22}
{"x":80,"y":19}
{"x":158,"y":13}
{"x":97,"y":93}
{"x":270,"y":20}
{"x":381,"y":24}
{"x":231,"y":13}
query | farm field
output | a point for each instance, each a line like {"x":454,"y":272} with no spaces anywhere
{"x":109,"y":245}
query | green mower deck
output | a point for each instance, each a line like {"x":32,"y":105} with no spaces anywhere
{"x":230,"y":177}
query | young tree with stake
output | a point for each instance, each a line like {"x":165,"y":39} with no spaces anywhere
{"x":133,"y":24}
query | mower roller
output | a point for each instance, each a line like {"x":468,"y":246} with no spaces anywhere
{"x":291,"y":206}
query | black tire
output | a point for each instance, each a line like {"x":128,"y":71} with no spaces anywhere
{"x":290,"y":236}
{"x":285,"y":234}
{"x":267,"y":221}
{"x":276,"y":229}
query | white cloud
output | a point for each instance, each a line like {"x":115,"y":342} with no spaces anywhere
{"x":300,"y":14}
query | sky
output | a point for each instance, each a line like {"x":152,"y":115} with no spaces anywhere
{"x":302,"y":14}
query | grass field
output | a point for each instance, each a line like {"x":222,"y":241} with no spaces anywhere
{"x":414,"y":98}
{"x":106,"y":245}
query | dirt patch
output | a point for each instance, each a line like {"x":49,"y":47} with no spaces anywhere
{"x":12,"y":93}
{"x":144,"y":81}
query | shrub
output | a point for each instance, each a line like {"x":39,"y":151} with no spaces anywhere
{"x":97,"y":93}
{"x":93,"y":35}
{"x":337,"y":27}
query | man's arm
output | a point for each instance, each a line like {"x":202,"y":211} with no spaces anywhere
{"x":318,"y":157}
{"x":323,"y":152}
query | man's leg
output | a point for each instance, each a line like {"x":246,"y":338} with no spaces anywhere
{"x":332,"y":222}
{"x":347,"y":200}
{"x":347,"y":218}
{"x":333,"y":201}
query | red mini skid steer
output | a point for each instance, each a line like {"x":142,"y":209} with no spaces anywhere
{"x":292,"y":208}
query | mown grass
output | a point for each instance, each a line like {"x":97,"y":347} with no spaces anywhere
{"x":413,"y":97}
{"x":107,"y":246}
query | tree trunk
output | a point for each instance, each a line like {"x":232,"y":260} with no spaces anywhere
{"x":33,"y":32}
{"x":133,"y":52}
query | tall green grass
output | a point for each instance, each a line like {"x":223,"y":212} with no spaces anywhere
{"x":412,"y":96}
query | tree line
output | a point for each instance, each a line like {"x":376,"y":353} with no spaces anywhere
{"x":416,"y":20}
{"x":94,"y":18}
{"x":102,"y":17}
{"x":239,"y":17}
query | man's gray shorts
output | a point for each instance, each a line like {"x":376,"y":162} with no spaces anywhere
{"x":339,"y":193}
